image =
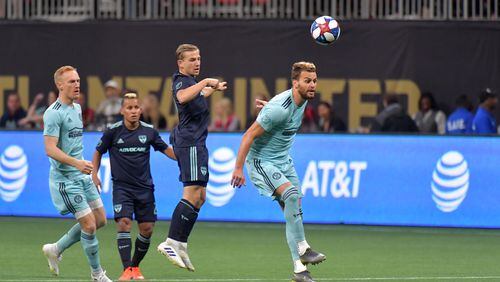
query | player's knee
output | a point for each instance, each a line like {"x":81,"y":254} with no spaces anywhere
{"x":89,"y":227}
{"x":101,"y":222}
{"x":124,"y":224}
{"x":291,"y":196}
{"x":146,"y":230}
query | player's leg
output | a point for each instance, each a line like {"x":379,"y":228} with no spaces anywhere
{"x":123,"y":210}
{"x":145,"y":214}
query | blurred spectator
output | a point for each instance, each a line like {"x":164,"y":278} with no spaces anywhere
{"x":88,"y":114}
{"x":429,"y":119}
{"x":460,"y":121}
{"x":34,"y":117}
{"x":225,"y":120}
{"x":327,"y":121}
{"x":308,"y":121}
{"x":108,"y":111}
{"x":151,"y":112}
{"x":256,"y":110}
{"x":393,"y":118}
{"x":484,"y":122}
{"x":14,"y":112}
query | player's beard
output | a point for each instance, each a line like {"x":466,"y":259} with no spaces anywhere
{"x":307,"y":95}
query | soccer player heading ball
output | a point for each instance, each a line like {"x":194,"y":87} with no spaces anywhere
{"x":265,"y":148}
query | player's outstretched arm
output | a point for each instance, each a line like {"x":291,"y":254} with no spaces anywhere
{"x":250,"y":135}
{"x":96,"y":162}
{"x":55,"y":153}
{"x":169,"y":152}
{"x":188,"y":94}
{"x":221,"y":86}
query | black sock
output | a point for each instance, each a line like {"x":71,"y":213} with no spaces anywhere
{"x":124,"y":247}
{"x":141,"y":248}
{"x":183,"y":220}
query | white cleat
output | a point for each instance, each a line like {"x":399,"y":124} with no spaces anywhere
{"x":170,"y":249}
{"x":182,"y":251}
{"x":53,"y":257}
{"x":100,"y":277}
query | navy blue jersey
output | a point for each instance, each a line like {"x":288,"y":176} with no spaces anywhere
{"x":129,"y":153}
{"x":459,"y":122}
{"x":194,"y":115}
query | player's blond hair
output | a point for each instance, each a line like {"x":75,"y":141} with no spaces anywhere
{"x":60,"y":71}
{"x":179,"y":53}
{"x":299,"y":67}
{"x":129,"y":96}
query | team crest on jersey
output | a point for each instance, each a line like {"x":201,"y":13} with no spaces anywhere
{"x":178,"y":85}
{"x":117,"y":208}
{"x":78,"y":199}
{"x":143,"y":138}
{"x":276,"y":175}
{"x":203,"y":170}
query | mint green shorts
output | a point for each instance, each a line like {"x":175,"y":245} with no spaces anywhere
{"x":78,"y":197}
{"x":268,"y":176}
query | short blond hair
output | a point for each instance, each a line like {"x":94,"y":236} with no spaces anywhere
{"x":60,"y":71}
{"x":179,"y":53}
{"x":299,"y":67}
{"x":129,"y":96}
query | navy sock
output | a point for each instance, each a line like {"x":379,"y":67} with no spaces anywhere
{"x":183,"y":220}
{"x":141,"y":248}
{"x":124,"y":247}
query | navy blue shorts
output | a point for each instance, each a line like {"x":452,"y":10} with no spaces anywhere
{"x":193,"y":165}
{"x":138,"y":204}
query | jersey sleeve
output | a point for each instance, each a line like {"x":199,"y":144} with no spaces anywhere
{"x":271,"y":116}
{"x":51,"y":123}
{"x":158,"y":143}
{"x":182,"y":82}
{"x":105,"y":143}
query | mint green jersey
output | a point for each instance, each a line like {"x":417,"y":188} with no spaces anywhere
{"x":281,"y":119}
{"x":65,"y":122}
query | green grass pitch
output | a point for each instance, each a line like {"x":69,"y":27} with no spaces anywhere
{"x":258,"y":252}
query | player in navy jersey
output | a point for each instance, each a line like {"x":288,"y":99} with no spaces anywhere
{"x":188,"y":139}
{"x":128,"y":143}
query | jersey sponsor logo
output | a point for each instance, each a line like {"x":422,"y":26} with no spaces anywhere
{"x":143,"y":138}
{"x":450,"y":181}
{"x":13,"y":173}
{"x":78,"y":199}
{"x":132,"y":150}
{"x":220,"y":165}
{"x":117,"y":208}
{"x":120,"y":141}
{"x":75,"y":132}
{"x":276,"y":175}
{"x":289,"y":132}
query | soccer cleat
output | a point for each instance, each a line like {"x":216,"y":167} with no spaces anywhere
{"x":127,"y":274}
{"x":303,"y":276}
{"x":312,"y":257}
{"x":169,"y":249}
{"x":182,"y":251}
{"x":136,"y":273}
{"x":53,"y":257}
{"x":100,"y":277}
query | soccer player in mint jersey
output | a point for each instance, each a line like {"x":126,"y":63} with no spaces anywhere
{"x":265,"y":148}
{"x":188,"y":139}
{"x":71,"y":187}
{"x":128,"y":143}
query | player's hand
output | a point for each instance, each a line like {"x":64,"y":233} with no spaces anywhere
{"x":221,"y":86}
{"x":212,"y":82}
{"x":238,"y":178}
{"x":97,"y":182}
{"x":84,"y":166}
{"x":259,"y":104}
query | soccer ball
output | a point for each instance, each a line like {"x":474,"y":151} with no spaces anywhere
{"x":325,"y":30}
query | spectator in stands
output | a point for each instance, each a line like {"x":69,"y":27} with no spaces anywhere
{"x":88,"y":114}
{"x":151,"y":112}
{"x":225,"y":120}
{"x":256,"y":109}
{"x":484,"y":122}
{"x":393,"y":118}
{"x":327,"y":121}
{"x":108,"y":111}
{"x":34,"y":117}
{"x":429,"y":118}
{"x":309,"y":121}
{"x":460,"y":121}
{"x":14,"y":113}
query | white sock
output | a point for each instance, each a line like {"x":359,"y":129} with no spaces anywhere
{"x":298,"y":266}
{"x":303,"y":246}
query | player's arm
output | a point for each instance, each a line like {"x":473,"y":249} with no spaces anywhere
{"x":169,"y":152}
{"x":160,"y":145}
{"x":210,"y":84}
{"x":102,"y":147}
{"x":57,"y":154}
{"x":250,"y":135}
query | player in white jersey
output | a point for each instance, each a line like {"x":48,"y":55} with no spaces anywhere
{"x":265,"y":147}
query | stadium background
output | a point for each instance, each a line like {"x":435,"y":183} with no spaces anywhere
{"x":404,"y":54}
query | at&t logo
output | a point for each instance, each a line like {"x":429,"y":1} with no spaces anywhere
{"x":450,"y":181}
{"x":220,"y":166}
{"x":13,"y":173}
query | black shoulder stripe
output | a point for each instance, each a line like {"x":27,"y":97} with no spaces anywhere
{"x":287,"y":103}
{"x":56,"y":106}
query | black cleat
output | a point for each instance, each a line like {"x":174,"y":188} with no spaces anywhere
{"x":303,"y":276}
{"x":312,"y":257}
